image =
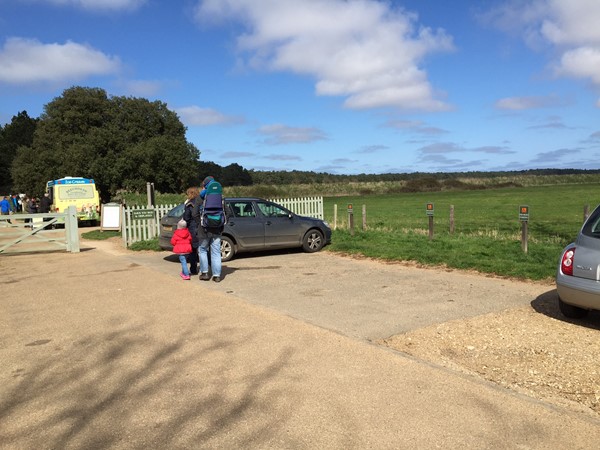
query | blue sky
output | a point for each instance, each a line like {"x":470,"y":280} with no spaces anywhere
{"x":338,"y":86}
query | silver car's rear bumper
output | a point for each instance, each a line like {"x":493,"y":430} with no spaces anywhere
{"x":579,"y":292}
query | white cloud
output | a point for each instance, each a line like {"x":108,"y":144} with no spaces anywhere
{"x":550,"y":123}
{"x":278,"y":134}
{"x":554,"y":156}
{"x":570,"y":27}
{"x":450,"y":147}
{"x":573,"y":22}
{"x":371,"y":149}
{"x":529,"y":102}
{"x":279,"y":157}
{"x":24,"y":61}
{"x":364,"y":50}
{"x":582,"y":62}
{"x":238,"y":155}
{"x":415,"y":126}
{"x":197,"y":116}
{"x":100,"y":5}
{"x":594,"y":137}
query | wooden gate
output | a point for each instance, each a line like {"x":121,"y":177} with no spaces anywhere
{"x":20,"y":233}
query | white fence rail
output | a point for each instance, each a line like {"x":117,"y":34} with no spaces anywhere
{"x":33,"y":233}
{"x":141,"y":223}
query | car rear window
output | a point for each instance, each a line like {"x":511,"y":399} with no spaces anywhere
{"x":592,"y":225}
{"x":272,"y":210}
{"x":177,"y":211}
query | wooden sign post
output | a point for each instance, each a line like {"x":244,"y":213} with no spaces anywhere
{"x":524,"y":218}
{"x":429,"y":211}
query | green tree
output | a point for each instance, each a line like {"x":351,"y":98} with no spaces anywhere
{"x":235,"y":175}
{"x":206,"y":168}
{"x":121,"y":142}
{"x":19,"y":132}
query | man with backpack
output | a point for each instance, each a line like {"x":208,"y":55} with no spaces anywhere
{"x":208,"y":209}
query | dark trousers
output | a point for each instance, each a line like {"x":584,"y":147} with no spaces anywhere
{"x":193,"y":260}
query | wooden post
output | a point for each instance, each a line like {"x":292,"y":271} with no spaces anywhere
{"x":586,"y":212}
{"x":351,"y":219}
{"x":430,"y":228}
{"x":524,"y":218}
{"x":429,"y":211}
{"x":335,"y":216}
{"x":364,"y":217}
{"x":71,"y":231}
{"x":451,"y":219}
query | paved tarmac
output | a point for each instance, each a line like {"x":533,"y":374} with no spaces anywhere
{"x":105,"y":350}
{"x":359,"y":298}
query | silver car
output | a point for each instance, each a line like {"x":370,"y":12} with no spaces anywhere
{"x":578,"y":274}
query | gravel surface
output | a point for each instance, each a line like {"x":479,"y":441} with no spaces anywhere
{"x":533,"y":350}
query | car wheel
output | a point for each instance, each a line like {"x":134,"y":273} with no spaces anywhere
{"x":227,"y":249}
{"x":313,"y":241}
{"x":570,"y":311}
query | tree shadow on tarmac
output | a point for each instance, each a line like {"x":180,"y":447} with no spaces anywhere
{"x":547,"y":304}
{"x":127,"y":388}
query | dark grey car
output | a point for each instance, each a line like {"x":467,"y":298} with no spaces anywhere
{"x":578,"y":273}
{"x":255,"y":224}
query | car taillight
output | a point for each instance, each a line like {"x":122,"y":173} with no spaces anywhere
{"x":566,"y":265}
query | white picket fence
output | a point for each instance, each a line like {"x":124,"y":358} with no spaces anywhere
{"x":141,"y":229}
{"x":135,"y":228}
{"x":305,"y":206}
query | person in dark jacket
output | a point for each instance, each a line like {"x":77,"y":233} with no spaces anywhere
{"x":192,"y":224}
{"x":45,"y":203}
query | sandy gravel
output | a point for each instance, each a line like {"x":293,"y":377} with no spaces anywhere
{"x":532,"y":350}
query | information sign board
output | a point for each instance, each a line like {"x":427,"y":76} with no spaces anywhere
{"x":141,"y":214}
{"x":523,"y":213}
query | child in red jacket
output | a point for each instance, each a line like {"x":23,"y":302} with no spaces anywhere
{"x":182,"y":246}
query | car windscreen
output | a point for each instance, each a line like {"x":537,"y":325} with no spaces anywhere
{"x":592,"y":225}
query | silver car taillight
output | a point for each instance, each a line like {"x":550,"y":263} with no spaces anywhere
{"x":566,"y":264}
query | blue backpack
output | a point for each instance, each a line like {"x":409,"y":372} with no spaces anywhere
{"x":213,"y":215}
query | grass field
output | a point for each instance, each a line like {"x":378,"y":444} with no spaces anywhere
{"x":487,"y":230}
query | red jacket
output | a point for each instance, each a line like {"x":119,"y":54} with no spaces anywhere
{"x":182,"y":241}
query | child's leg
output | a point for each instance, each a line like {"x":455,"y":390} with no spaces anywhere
{"x":184,"y":266}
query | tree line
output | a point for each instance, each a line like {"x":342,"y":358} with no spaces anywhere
{"x":125,"y":142}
